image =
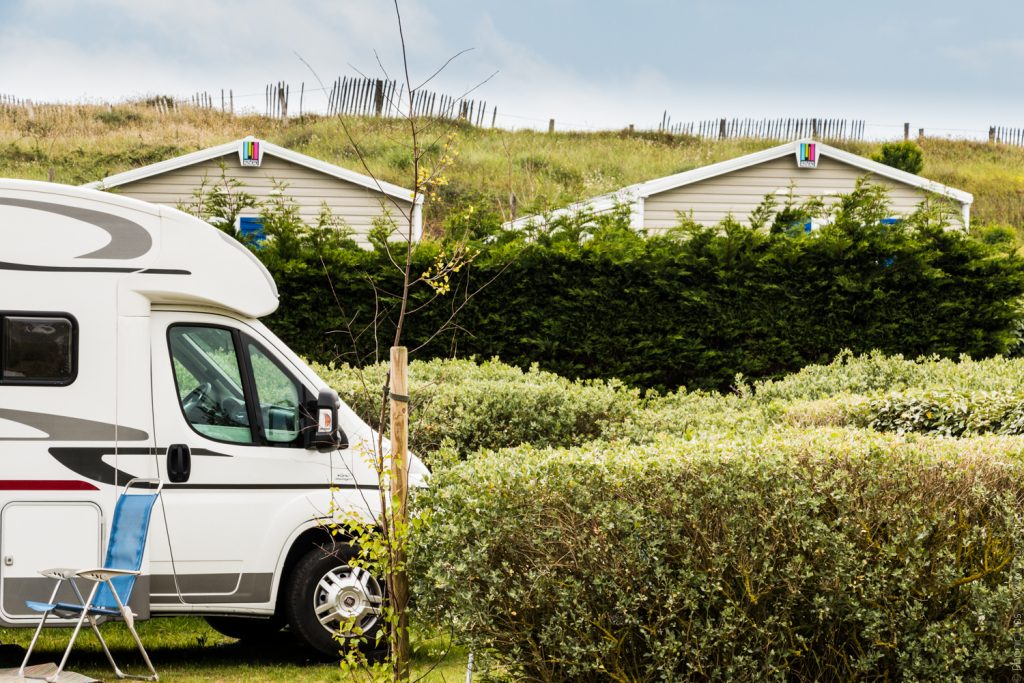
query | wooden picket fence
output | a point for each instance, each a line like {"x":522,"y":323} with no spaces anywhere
{"x":768,"y":129}
{"x":376,"y":97}
{"x":1006,"y":136}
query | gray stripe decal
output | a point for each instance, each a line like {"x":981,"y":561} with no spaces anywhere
{"x":210,"y":588}
{"x":4,"y":265}
{"x":61,"y":428}
{"x":39,"y":588}
{"x":128,"y":239}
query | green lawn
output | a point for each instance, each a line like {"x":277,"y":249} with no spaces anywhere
{"x":186,"y":649}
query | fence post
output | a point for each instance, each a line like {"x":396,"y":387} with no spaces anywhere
{"x":378,"y":98}
{"x":991,"y":134}
{"x":920,"y":133}
{"x":906,"y":131}
{"x":551,"y":125}
{"x":494,"y":117}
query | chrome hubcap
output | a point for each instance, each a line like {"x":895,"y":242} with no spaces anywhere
{"x":347,"y":601}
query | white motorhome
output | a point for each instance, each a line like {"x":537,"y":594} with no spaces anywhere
{"x":130,"y":346}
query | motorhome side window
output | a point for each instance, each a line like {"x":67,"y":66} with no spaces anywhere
{"x":216,"y":387}
{"x":37,"y":349}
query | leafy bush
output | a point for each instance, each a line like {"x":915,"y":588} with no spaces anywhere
{"x":467,"y":406}
{"x":948,"y":412}
{"x":906,"y":156}
{"x":830,"y":555}
{"x":874,"y":373}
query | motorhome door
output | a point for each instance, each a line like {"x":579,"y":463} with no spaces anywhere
{"x":228,"y":421}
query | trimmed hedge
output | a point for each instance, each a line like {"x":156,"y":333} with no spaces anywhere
{"x":828,"y":555}
{"x":875,"y":372}
{"x":464,"y":406}
{"x":692,"y":308}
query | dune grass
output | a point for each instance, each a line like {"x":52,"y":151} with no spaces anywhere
{"x":82,"y":143}
{"x":187,"y":650}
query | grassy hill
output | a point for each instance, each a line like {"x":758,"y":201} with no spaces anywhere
{"x":77,"y":144}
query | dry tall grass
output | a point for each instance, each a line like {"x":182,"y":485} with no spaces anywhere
{"x":82,"y":143}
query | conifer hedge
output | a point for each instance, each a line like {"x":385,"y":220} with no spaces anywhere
{"x":588,"y":297}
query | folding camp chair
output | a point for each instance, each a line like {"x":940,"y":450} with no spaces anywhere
{"x":111,"y":584}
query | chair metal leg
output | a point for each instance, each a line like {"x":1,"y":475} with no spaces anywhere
{"x":129,"y":620}
{"x":39,"y":629}
{"x":74,"y":635}
{"x":103,"y":643}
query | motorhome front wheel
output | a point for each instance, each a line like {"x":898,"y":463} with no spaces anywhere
{"x":329,"y":600}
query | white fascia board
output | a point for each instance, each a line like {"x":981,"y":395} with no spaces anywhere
{"x":598,"y":204}
{"x":337,"y":171}
{"x":894,"y":173}
{"x":417,"y":219}
{"x":704,"y":172}
{"x":671,"y":182}
{"x":268,"y":148}
{"x":163,"y":166}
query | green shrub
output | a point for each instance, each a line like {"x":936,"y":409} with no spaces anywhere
{"x":947,"y":412}
{"x":825,"y":556}
{"x":467,"y":406}
{"x":906,"y":156}
{"x":875,"y":372}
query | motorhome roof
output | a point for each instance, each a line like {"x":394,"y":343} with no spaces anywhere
{"x":161,"y":253}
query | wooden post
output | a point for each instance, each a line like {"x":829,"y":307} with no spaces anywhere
{"x":631,"y":129}
{"x":906,"y":131}
{"x":920,"y":133}
{"x":399,"y":513}
{"x":551,"y":125}
{"x":302,"y":94}
{"x":721,"y":129}
{"x":494,"y":117}
{"x":231,"y":95}
{"x":378,"y":98}
{"x":991,"y":134}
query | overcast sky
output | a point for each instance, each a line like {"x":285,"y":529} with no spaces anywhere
{"x":953,"y":68}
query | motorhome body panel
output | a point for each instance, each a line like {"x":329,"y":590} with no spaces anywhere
{"x":127,"y":273}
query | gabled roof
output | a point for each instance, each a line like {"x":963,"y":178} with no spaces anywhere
{"x":632,"y":193}
{"x":268,"y":148}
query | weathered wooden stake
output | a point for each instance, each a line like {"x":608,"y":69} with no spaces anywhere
{"x":906,"y":131}
{"x":551,"y":125}
{"x":399,"y":513}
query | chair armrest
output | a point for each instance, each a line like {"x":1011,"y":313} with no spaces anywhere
{"x":59,"y":573}
{"x":102,"y":574}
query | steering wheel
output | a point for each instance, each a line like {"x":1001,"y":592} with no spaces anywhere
{"x":235,"y":410}
{"x":192,"y":399}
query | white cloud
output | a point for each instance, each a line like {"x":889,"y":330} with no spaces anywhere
{"x":183,"y":46}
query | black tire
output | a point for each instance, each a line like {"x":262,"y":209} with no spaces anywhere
{"x":247,"y":629}
{"x":324,"y":586}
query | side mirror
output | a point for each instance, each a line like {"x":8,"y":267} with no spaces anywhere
{"x":324,"y":434}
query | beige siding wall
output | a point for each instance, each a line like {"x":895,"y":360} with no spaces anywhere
{"x":741,"y":191}
{"x":357,"y":205}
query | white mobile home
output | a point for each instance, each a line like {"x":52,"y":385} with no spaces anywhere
{"x":130,"y":346}
{"x":737,"y":186}
{"x":354,"y":197}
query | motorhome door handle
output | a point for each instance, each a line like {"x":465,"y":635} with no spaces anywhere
{"x":179,"y":463}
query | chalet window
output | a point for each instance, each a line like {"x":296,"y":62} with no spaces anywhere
{"x":250,"y":228}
